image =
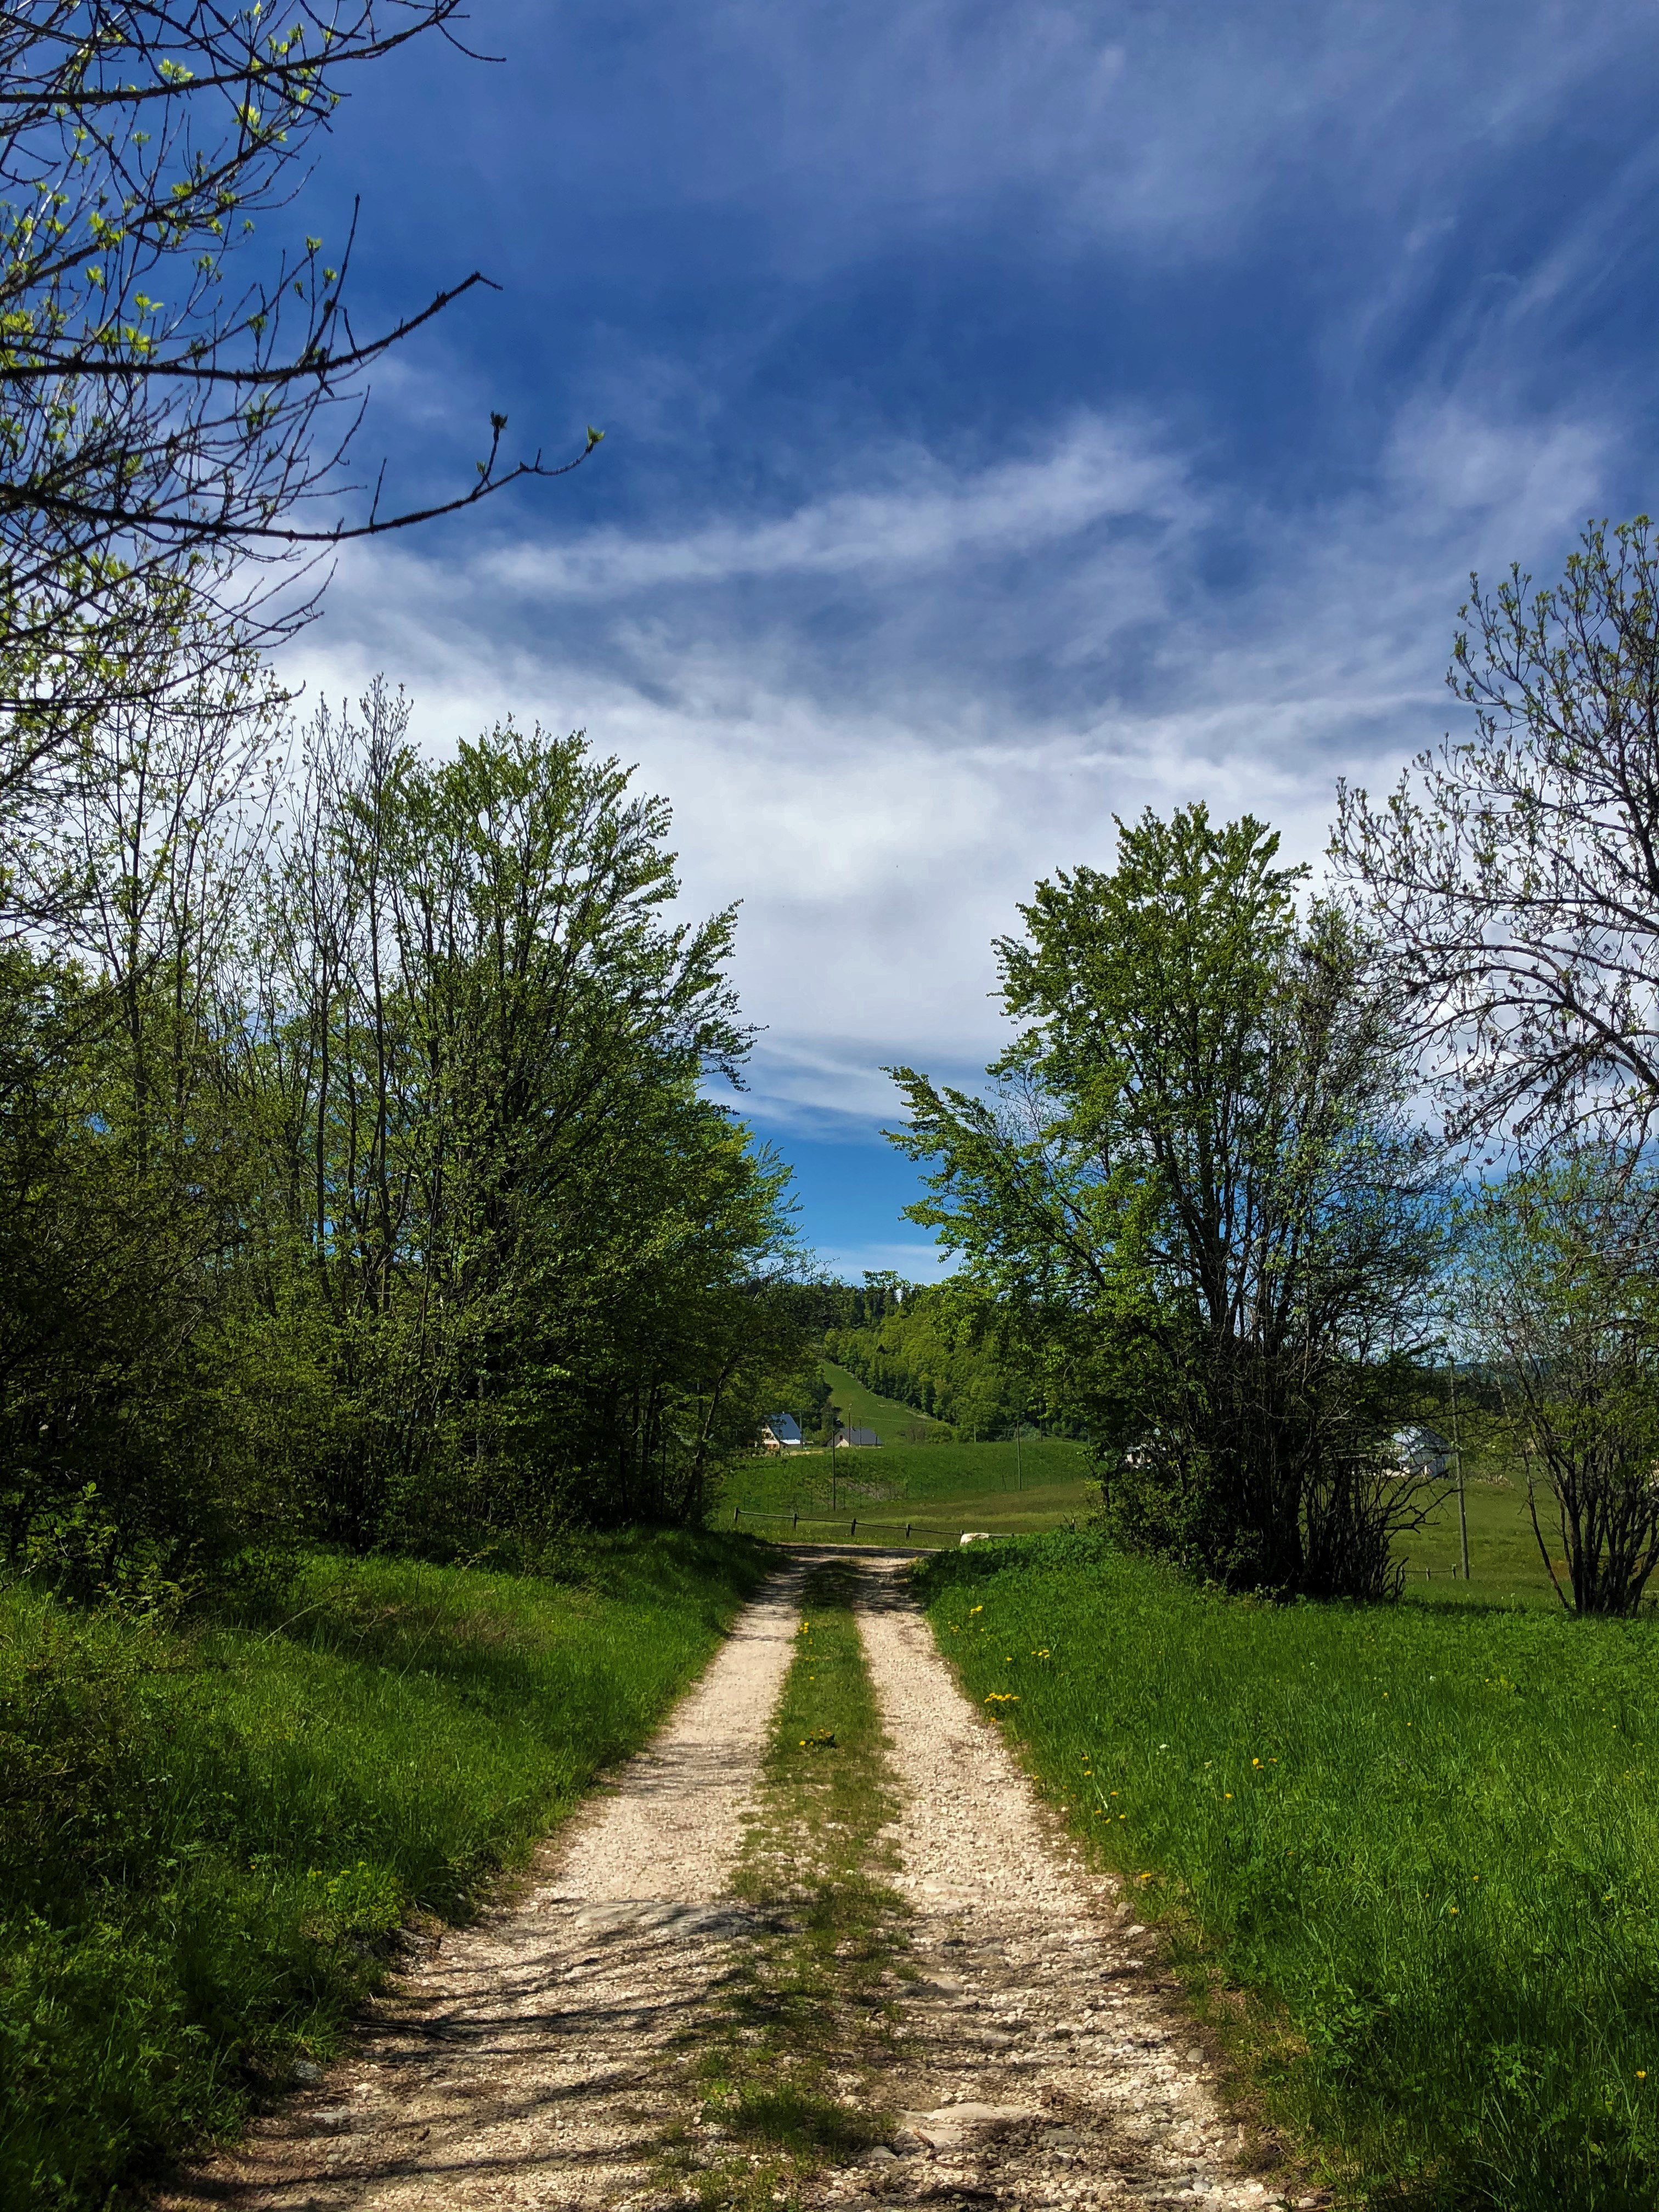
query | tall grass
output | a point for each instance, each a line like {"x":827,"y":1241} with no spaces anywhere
{"x":1424,"y":1839}
{"x":207,"y":1839}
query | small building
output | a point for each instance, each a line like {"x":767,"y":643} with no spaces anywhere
{"x":1422,"y":1451}
{"x":862,"y":1438}
{"x":780,"y":1432}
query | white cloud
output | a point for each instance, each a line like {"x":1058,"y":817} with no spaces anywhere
{"x":1017,"y":652}
{"x":925,"y":518}
{"x":914,"y":1263}
{"x":1168,"y":131}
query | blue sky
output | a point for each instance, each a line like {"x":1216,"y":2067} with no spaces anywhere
{"x":1015,"y":416}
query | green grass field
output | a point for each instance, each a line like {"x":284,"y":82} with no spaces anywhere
{"x":937,"y":1488}
{"x":894,"y":1423}
{"x":208,"y":1838}
{"x":1503,"y":1563}
{"x":940,"y":1490}
{"x":1405,"y":1856}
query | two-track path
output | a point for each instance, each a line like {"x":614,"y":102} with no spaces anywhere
{"x":532,"y":2059}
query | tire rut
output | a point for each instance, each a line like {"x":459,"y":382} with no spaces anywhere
{"x":537,"y":2058}
{"x":526,"y":2059}
{"x":1041,"y":2066}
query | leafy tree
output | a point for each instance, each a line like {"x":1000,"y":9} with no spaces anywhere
{"x":359,"y":1174}
{"x":481,"y":1052}
{"x":121,"y":1214}
{"x":935,"y":1346}
{"x":1515,"y":871}
{"x":1560,"y":1292}
{"x":1196,"y":1180}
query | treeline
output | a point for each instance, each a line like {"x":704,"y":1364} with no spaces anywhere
{"x":358,"y":1180}
{"x":933,"y":1347}
{"x":1264,"y":1161}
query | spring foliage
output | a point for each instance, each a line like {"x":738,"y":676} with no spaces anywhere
{"x":361,"y":1179}
{"x":1196,"y":1184}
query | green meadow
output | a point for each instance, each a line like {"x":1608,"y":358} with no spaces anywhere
{"x":936,"y":1489}
{"x":209,"y":1836}
{"x":894,"y":1423}
{"x":1404,"y":1856}
{"x":940,"y":1490}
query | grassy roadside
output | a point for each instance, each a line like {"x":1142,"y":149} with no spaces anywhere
{"x":789,"y":2071}
{"x":209,"y":1836}
{"x":1404,"y":1856}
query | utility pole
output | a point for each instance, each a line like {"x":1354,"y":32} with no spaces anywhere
{"x":1458,"y":1447}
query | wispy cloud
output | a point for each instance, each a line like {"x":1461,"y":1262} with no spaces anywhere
{"x":881,"y":797}
{"x":926,"y":517}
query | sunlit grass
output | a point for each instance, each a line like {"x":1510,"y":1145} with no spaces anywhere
{"x":1424,"y":1838}
{"x":939,"y":1490}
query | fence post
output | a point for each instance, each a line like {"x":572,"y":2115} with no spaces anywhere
{"x":853,"y":1530}
{"x":1458,"y":1447}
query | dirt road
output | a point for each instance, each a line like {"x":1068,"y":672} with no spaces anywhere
{"x":535,"y":2059}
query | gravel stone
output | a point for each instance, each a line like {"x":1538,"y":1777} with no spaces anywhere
{"x":535,"y":2059}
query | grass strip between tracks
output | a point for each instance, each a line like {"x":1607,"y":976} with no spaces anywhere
{"x":789,"y":2066}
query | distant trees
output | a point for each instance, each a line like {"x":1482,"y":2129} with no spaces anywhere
{"x":936,"y":1348}
{"x":1198,"y":1183}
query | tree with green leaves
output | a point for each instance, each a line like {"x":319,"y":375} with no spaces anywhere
{"x":1195,"y":1188}
{"x":935,"y":1346}
{"x":360,"y":1177}
{"x":179,"y":396}
{"x":481,"y":1050}
{"x":1558,"y":1295}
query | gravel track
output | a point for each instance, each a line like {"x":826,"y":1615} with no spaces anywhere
{"x":1043,"y":2067}
{"x":534,"y":2058}
{"x":520,"y":2063}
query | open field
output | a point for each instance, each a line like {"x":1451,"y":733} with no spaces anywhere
{"x":1405,"y":1856}
{"x":1503,"y":1563}
{"x":892,"y":1421}
{"x":937,"y":1490}
{"x":940,"y":1490}
{"x":209,"y":1839}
